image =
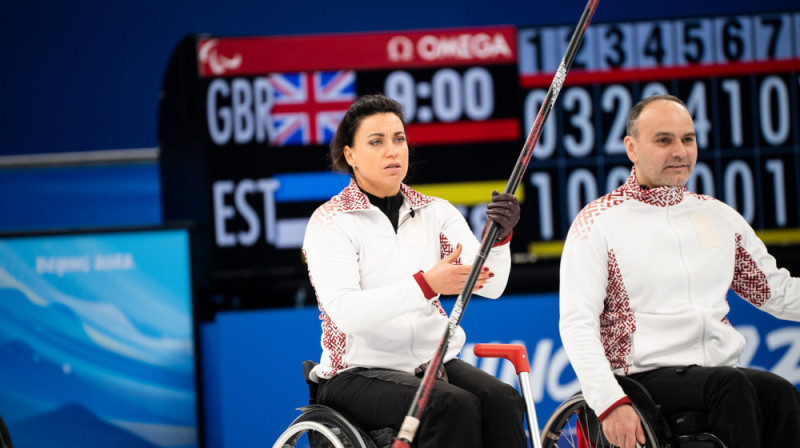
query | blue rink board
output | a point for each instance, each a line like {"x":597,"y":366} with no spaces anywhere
{"x":253,"y":376}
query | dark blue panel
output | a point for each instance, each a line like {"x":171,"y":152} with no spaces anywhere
{"x":86,"y":75}
{"x":80,"y":197}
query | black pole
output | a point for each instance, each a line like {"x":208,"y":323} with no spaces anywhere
{"x":411,"y":422}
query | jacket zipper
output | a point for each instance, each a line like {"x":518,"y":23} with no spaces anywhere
{"x":687,"y":273}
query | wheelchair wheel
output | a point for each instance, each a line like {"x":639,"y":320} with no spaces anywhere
{"x":573,"y":424}
{"x":322,"y":427}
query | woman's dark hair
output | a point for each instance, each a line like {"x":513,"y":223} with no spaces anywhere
{"x":363,"y":107}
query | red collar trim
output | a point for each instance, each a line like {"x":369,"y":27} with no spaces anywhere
{"x":352,"y":199}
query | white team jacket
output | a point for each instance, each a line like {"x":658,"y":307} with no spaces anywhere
{"x":373,"y":312}
{"x":644,"y":278}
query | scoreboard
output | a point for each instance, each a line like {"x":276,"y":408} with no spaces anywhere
{"x":245,"y":123}
{"x":738,"y":76}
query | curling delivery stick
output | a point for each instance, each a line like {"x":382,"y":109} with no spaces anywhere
{"x":411,"y":422}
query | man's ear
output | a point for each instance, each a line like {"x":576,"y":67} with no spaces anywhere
{"x":630,"y":148}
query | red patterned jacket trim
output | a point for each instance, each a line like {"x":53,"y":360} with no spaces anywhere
{"x":617,"y":321}
{"x":658,"y":197}
{"x":333,"y":339}
{"x":352,"y":198}
{"x":749,"y":282}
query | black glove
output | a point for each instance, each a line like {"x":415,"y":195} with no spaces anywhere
{"x":504,"y":210}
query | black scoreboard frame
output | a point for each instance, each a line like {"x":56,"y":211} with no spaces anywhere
{"x":231,"y":165}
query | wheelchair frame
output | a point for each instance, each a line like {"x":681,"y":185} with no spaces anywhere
{"x":573,"y":424}
{"x":5,"y":437}
{"x":323,"y":424}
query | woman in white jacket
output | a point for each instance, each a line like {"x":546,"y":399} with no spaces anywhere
{"x":379,"y":255}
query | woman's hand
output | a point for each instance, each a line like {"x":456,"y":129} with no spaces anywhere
{"x":504,"y":210}
{"x":448,"y":278}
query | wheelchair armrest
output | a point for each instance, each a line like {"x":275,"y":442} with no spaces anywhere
{"x":634,"y":389}
{"x":308,"y":365}
{"x":645,"y":403}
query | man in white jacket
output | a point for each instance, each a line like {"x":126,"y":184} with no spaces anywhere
{"x":644,"y":277}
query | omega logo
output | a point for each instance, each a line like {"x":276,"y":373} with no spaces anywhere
{"x":465,"y":46}
{"x":400,"y":48}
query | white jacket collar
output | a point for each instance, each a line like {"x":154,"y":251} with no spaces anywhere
{"x":352,"y":199}
{"x":659,"y":196}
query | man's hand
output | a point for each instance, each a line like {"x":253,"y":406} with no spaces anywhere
{"x":623,"y":428}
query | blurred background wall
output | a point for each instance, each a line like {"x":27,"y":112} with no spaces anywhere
{"x":81,"y":86}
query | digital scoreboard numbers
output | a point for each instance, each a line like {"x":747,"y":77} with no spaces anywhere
{"x":458,"y":89}
{"x":662,"y":44}
{"x":461,"y":112}
{"x":739,"y":77}
{"x":253,"y":122}
{"x":272,"y":106}
{"x":452,"y":105}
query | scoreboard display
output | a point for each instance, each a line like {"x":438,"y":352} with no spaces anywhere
{"x":739,"y":77}
{"x":245,"y":123}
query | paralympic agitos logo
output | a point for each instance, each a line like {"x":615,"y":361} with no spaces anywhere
{"x":464,"y":46}
{"x":218,"y":63}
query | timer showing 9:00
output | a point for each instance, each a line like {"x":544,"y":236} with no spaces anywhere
{"x":443,"y":95}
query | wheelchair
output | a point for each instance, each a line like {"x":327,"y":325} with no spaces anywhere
{"x":320,"y":426}
{"x":574,"y":424}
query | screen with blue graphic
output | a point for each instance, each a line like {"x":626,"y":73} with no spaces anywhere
{"x":97,"y":340}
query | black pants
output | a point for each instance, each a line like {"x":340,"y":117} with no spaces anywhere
{"x":474,"y":409}
{"x":746,"y":408}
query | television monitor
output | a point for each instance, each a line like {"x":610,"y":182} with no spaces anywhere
{"x":97,"y":340}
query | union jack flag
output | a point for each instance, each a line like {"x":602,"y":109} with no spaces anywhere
{"x":309,"y":106}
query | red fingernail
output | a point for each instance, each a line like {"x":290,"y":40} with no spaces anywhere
{"x":491,"y":275}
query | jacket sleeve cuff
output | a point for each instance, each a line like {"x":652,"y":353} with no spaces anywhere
{"x":504,"y":240}
{"x":618,"y":403}
{"x":424,"y":286}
